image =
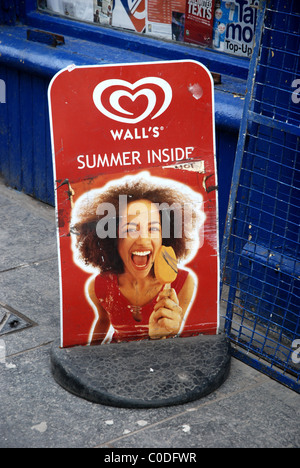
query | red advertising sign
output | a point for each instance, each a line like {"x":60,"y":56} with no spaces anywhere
{"x":199,"y":20}
{"x":136,"y":200}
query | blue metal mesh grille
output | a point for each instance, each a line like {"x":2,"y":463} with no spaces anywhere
{"x":260,"y":253}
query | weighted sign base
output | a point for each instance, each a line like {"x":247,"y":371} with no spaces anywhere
{"x":144,"y":374}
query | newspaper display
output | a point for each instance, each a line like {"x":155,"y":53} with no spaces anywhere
{"x":226,"y":26}
{"x":199,"y":18}
{"x":234,"y":26}
{"x":166,"y":19}
{"x":95,"y":11}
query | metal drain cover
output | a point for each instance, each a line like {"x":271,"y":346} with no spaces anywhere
{"x":12,"y":321}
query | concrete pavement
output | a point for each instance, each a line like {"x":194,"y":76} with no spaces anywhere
{"x":248,"y":410}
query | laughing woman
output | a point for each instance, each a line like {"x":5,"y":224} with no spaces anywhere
{"x":122,"y":244}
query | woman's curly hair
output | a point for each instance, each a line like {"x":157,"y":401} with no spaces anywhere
{"x":103,"y":253}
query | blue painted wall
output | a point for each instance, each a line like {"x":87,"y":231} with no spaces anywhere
{"x":26,"y":68}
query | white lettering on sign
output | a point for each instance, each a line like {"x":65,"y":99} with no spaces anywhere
{"x":169,"y":154}
{"x":135,"y":134}
{"x":127,"y":158}
{"x":132,"y":158}
{"x":200,"y":8}
{"x":116,"y":89}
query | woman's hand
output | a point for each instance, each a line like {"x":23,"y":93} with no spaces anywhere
{"x":167,"y":315}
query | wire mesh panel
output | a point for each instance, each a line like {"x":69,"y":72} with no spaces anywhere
{"x":260,"y":252}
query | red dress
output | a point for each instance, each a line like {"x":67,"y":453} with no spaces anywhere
{"x":121,"y":312}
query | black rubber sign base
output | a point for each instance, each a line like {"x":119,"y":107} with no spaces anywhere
{"x":144,"y":374}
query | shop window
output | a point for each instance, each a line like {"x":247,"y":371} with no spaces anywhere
{"x":226,"y":26}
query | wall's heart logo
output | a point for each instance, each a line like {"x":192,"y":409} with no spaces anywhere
{"x":108,"y":94}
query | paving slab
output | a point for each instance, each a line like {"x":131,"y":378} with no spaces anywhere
{"x":247,"y":410}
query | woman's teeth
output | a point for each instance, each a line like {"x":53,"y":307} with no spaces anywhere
{"x":146,"y":252}
{"x":140,"y":258}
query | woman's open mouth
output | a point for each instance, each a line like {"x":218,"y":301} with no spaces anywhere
{"x":141,"y":258}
